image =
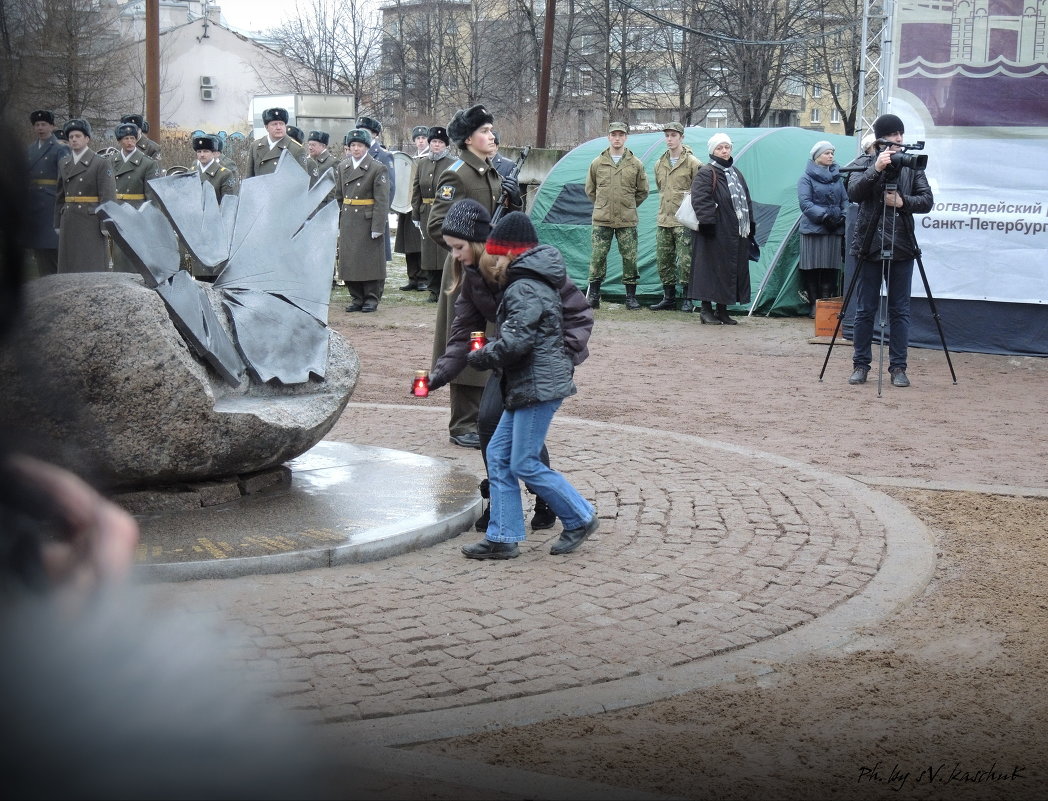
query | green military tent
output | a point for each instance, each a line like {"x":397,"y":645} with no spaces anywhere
{"x":772,"y":159}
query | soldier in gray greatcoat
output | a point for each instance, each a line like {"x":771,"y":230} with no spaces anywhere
{"x":85,"y":180}
{"x":423,"y":189}
{"x":265,"y":153}
{"x":363,"y":192}
{"x":409,"y":239}
{"x":131,"y":169}
{"x":44,"y":155}
{"x":383,"y":157}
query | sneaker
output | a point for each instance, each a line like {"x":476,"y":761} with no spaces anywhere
{"x":899,"y":378}
{"x":859,"y":376}
{"x":486,"y":549}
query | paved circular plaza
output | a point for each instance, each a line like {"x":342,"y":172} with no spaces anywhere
{"x":710,"y":560}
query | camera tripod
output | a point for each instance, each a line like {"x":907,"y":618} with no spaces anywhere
{"x":886,"y":255}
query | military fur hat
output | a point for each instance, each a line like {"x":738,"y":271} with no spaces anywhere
{"x":274,"y":114}
{"x":134,"y":119}
{"x":370,"y":124}
{"x":206,"y":142}
{"x":464,"y":123}
{"x":42,"y":115}
{"x":295,"y":133}
{"x":319,"y":136}
{"x":358,"y":135}
{"x":419,"y":130}
{"x":145,"y":126}
{"x":125,"y":129}
{"x":436,"y":132}
{"x":78,"y":125}
{"x":219,"y":143}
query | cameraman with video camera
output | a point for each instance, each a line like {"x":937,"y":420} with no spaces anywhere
{"x":890,"y":187}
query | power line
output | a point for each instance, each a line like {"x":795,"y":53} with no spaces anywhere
{"x":732,"y":40}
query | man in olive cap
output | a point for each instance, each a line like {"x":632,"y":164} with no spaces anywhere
{"x":616,"y":184}
{"x":674,"y":172}
{"x":43,"y":156}
{"x":266,"y":152}
{"x":409,"y":238}
{"x":85,"y":180}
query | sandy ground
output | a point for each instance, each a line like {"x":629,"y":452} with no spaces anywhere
{"x":944,"y":700}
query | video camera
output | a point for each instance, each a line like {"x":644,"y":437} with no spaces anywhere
{"x":903,"y":159}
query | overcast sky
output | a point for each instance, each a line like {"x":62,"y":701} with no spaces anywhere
{"x":255,"y":15}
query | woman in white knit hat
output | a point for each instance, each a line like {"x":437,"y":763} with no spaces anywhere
{"x":823,"y":201}
{"x":720,"y":271}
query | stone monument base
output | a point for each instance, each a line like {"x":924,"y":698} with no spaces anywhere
{"x":334,"y":504}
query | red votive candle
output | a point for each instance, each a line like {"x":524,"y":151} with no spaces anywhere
{"x":420,"y":386}
{"x":477,"y":340}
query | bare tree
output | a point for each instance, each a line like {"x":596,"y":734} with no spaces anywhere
{"x":325,"y":47}
{"x":836,"y":57}
{"x":72,"y":51}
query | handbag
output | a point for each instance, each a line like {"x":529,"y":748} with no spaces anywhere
{"x":686,"y":213}
{"x":755,"y":249}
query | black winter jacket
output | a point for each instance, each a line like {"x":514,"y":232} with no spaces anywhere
{"x":477,"y":305}
{"x":891,"y":226}
{"x":530,"y":350}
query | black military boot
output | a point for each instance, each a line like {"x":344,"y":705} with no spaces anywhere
{"x":593,"y":295}
{"x":706,"y":315}
{"x":482,"y":521}
{"x":686,"y":304}
{"x":631,"y":297}
{"x":669,"y":299}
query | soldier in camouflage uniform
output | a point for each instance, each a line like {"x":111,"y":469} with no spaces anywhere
{"x":616,"y":184}
{"x":674,"y":172}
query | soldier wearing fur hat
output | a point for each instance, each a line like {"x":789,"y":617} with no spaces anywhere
{"x":427,"y":172}
{"x":362,"y":191}
{"x":409,"y":237}
{"x":319,"y":159}
{"x":210,"y":167}
{"x":472,"y":175}
{"x":85,"y":180}
{"x":131,"y":170}
{"x":144,"y":143}
{"x":383,"y":157}
{"x":266,"y":152}
{"x":44,"y":155}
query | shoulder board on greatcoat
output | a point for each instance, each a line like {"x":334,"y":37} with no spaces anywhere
{"x":455,"y":167}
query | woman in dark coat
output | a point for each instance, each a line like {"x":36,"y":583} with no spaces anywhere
{"x":720,"y":270}
{"x":823,"y":201}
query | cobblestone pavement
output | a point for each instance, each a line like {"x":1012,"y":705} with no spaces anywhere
{"x":703,"y":548}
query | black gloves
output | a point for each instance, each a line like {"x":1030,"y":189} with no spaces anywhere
{"x":512,"y":187}
{"x":436,"y":380}
{"x":708,"y":230}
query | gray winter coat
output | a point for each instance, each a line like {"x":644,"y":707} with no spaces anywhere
{"x":867,"y":189}
{"x":530,"y":351}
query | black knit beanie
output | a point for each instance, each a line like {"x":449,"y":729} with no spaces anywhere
{"x":513,"y":234}
{"x":467,"y":219}
{"x":887,"y":124}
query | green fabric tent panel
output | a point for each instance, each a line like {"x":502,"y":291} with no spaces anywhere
{"x":772,"y":159}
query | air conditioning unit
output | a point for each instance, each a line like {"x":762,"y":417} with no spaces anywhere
{"x":208,"y":93}
{"x":207,"y":80}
